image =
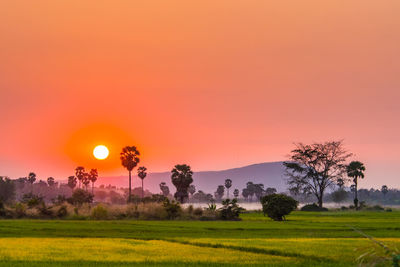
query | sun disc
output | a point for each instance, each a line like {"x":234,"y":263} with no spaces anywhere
{"x":101,"y":152}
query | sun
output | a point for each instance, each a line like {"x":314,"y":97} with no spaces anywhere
{"x":101,"y":152}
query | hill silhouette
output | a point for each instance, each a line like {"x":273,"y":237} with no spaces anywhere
{"x":270,"y":174}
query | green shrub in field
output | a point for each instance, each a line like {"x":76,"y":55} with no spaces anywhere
{"x":32,"y":200}
{"x":20,"y":210}
{"x":44,"y":211}
{"x":62,"y":212}
{"x":313,"y":207}
{"x":172,"y":208}
{"x":230,"y":210}
{"x":80,"y":196}
{"x":99,"y":213}
{"x":277,"y":206}
{"x":375,"y":208}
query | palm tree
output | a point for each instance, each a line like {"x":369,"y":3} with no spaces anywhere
{"x":182,"y":177}
{"x":93,"y":175}
{"x":86,"y":180}
{"x":164,"y":189}
{"x":129,"y":160}
{"x":384,"y":190}
{"x":50,"y":181}
{"x":340,"y":183}
{"x":80,"y":174}
{"x":228,"y":184}
{"x":141,"y":172}
{"x":236,"y":193}
{"x":192,"y":190}
{"x":355,"y":170}
{"x":31,"y":180}
{"x":72,"y":182}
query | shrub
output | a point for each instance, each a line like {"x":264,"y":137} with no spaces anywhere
{"x":277,"y":206}
{"x":62,"y":212}
{"x":99,"y":213}
{"x":212,"y":207}
{"x":375,"y":208}
{"x":80,"y":196}
{"x":230,"y":210}
{"x":32,"y":200}
{"x":198,"y":212}
{"x":172,"y":208}
{"x":388,"y":210}
{"x":44,"y":211}
{"x":20,"y":210}
{"x":313,"y":207}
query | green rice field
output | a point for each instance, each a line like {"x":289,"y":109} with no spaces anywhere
{"x":305,"y":239}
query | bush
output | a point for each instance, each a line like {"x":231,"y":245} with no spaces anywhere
{"x":313,"y":207}
{"x":62,"y":212}
{"x":388,"y":210}
{"x":20,"y":210}
{"x":79,"y":197}
{"x":32,"y":200}
{"x":99,"y":213}
{"x":375,"y":208}
{"x":172,"y":208}
{"x":277,"y":206}
{"x":44,"y":211}
{"x":198,"y":212}
{"x":230,"y":210}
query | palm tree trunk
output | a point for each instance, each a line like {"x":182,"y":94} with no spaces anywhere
{"x":142,"y":191}
{"x":355,"y":194}
{"x":130,"y":189}
{"x":92,"y":187}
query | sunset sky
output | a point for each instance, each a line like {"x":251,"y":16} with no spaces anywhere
{"x":215,"y":84}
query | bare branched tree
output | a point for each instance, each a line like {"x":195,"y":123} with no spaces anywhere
{"x":315,"y":167}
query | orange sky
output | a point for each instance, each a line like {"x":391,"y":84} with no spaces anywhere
{"x":216,"y":84}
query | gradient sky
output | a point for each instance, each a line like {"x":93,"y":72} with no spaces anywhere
{"x":215,"y":84}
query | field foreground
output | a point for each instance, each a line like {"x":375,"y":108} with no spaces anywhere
{"x":306,"y":239}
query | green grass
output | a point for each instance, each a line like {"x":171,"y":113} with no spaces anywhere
{"x":306,"y":239}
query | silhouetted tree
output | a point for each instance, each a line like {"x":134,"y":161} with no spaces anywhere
{"x":251,"y":189}
{"x":313,"y":168}
{"x":355,"y":170}
{"x":192,"y":189}
{"x":130,"y":159}
{"x":270,"y":191}
{"x":340,"y":183}
{"x":182,"y":177}
{"x":72,"y":182}
{"x":220,"y":192}
{"x":80,"y":175}
{"x":31,"y":180}
{"x":93,"y":175}
{"x":236,"y":193}
{"x":142,"y":174}
{"x":245,"y":193}
{"x":164,"y":189}
{"x":228,"y":184}
{"x":7,"y":190}
{"x":258,"y":190}
{"x":384,"y":190}
{"x":51,"y":182}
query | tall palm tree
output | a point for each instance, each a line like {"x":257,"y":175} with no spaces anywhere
{"x":355,"y":170}
{"x":141,"y":172}
{"x":228,"y":184}
{"x":80,"y":174}
{"x":181,"y":177}
{"x":93,"y":175}
{"x":31,"y":180}
{"x":72,"y":182}
{"x":129,"y":160}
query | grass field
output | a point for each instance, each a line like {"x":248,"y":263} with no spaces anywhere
{"x":306,"y":239}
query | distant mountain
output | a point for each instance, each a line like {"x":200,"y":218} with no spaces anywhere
{"x":270,"y":174}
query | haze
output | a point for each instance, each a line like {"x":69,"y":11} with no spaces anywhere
{"x":214,"y":84}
